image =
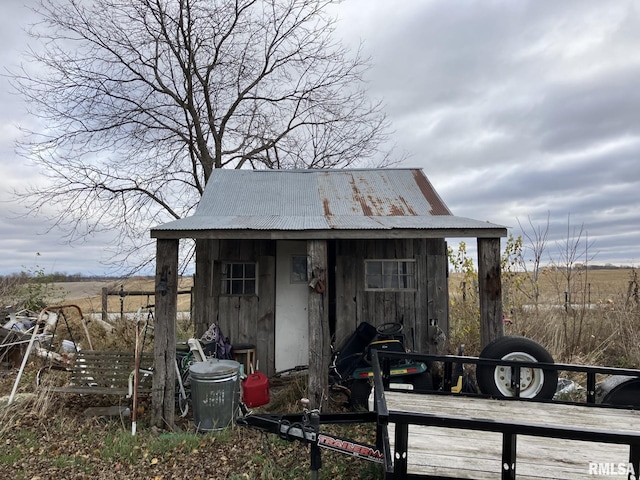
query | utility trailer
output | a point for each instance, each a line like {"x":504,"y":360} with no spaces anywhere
{"x":442,"y":435}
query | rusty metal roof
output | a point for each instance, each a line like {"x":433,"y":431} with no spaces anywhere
{"x":306,"y":200}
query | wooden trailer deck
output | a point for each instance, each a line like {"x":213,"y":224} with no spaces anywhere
{"x":440,"y":435}
{"x":471,"y":445}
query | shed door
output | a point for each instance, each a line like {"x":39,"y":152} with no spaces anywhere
{"x":292,"y":324}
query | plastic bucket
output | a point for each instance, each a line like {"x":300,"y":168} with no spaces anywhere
{"x":215,"y":393}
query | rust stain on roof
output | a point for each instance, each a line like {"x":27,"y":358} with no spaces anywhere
{"x":437,"y":205}
{"x":408,"y":207}
{"x":357,"y":195}
{"x":372,"y":205}
{"x":326,"y":207}
{"x":396,"y":211}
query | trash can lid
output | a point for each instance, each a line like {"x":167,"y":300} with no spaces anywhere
{"x":214,"y":366}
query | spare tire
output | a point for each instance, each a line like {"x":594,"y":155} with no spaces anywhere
{"x":534,"y":382}
{"x":619,"y":390}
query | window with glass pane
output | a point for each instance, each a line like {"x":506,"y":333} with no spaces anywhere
{"x":239,"y":279}
{"x":390,"y":274}
{"x":298,"y":269}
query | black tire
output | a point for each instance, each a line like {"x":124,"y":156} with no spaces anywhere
{"x":619,"y":390}
{"x":389,"y":329}
{"x":422,"y":383}
{"x":535,"y":382}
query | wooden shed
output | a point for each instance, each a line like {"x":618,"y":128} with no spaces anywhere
{"x":293,"y":260}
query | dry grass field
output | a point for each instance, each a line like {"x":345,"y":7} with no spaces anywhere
{"x":596,"y":321}
{"x":591,"y":317}
{"x":601,"y":284}
{"x":88,"y":295}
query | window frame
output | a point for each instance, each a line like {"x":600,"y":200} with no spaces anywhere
{"x":294,"y":277}
{"x":227,"y":282}
{"x":397,"y":275}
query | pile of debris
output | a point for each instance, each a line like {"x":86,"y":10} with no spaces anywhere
{"x":25,"y":332}
{"x":15,"y":334}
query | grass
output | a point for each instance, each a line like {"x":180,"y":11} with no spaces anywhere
{"x":601,"y":325}
{"x":602,"y":328}
{"x":130,"y":303}
{"x":47,"y":433}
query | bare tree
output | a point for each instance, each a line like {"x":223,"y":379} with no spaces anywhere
{"x":572,"y":267}
{"x":536,"y":245}
{"x":140,"y":100}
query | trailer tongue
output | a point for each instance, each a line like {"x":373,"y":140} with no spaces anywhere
{"x":305,"y":428}
{"x":301,"y":428}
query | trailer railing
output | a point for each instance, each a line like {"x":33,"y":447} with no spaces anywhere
{"x":391,"y":450}
{"x":450,"y":361}
{"x":509,"y":429}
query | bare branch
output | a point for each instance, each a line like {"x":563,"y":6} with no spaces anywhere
{"x":139,"y":100}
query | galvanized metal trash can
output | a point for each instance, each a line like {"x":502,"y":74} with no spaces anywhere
{"x":215,"y":393}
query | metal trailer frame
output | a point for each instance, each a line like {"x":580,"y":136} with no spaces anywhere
{"x":305,"y":427}
{"x":509,"y":430}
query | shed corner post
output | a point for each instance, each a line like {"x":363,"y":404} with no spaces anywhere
{"x":490,"y":290}
{"x":318,"y":313}
{"x":164,"y":344}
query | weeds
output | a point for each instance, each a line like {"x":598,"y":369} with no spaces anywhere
{"x":596,"y":322}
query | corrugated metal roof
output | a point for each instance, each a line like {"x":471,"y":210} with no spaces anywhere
{"x":298,"y":200}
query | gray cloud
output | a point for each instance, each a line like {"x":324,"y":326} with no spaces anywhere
{"x":515,"y":109}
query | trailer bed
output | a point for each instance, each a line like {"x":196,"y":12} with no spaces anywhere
{"x":475,"y":447}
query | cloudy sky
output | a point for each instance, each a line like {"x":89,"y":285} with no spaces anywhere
{"x":516,"y":110}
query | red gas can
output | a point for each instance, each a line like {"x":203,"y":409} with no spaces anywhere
{"x":255,"y":390}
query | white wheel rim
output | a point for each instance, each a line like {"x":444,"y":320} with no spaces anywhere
{"x":531,"y":379}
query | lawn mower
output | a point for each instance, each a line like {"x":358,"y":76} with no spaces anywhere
{"x":351,"y":364}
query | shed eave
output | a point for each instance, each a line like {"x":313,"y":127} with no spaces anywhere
{"x":497,"y":232}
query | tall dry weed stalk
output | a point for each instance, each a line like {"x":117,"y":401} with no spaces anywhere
{"x":596,"y":322}
{"x":38,"y":408}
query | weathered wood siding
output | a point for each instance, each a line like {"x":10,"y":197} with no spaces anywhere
{"x":245,"y":319}
{"x":251,"y":319}
{"x":415,"y":309}
{"x":205,"y":297}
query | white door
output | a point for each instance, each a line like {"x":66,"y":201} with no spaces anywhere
{"x":292,"y":324}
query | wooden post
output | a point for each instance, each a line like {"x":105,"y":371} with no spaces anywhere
{"x":434,"y":330}
{"x":319,"y":335}
{"x":164,"y":343}
{"x":265,"y":327}
{"x":105,"y":304}
{"x":490,"y":285}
